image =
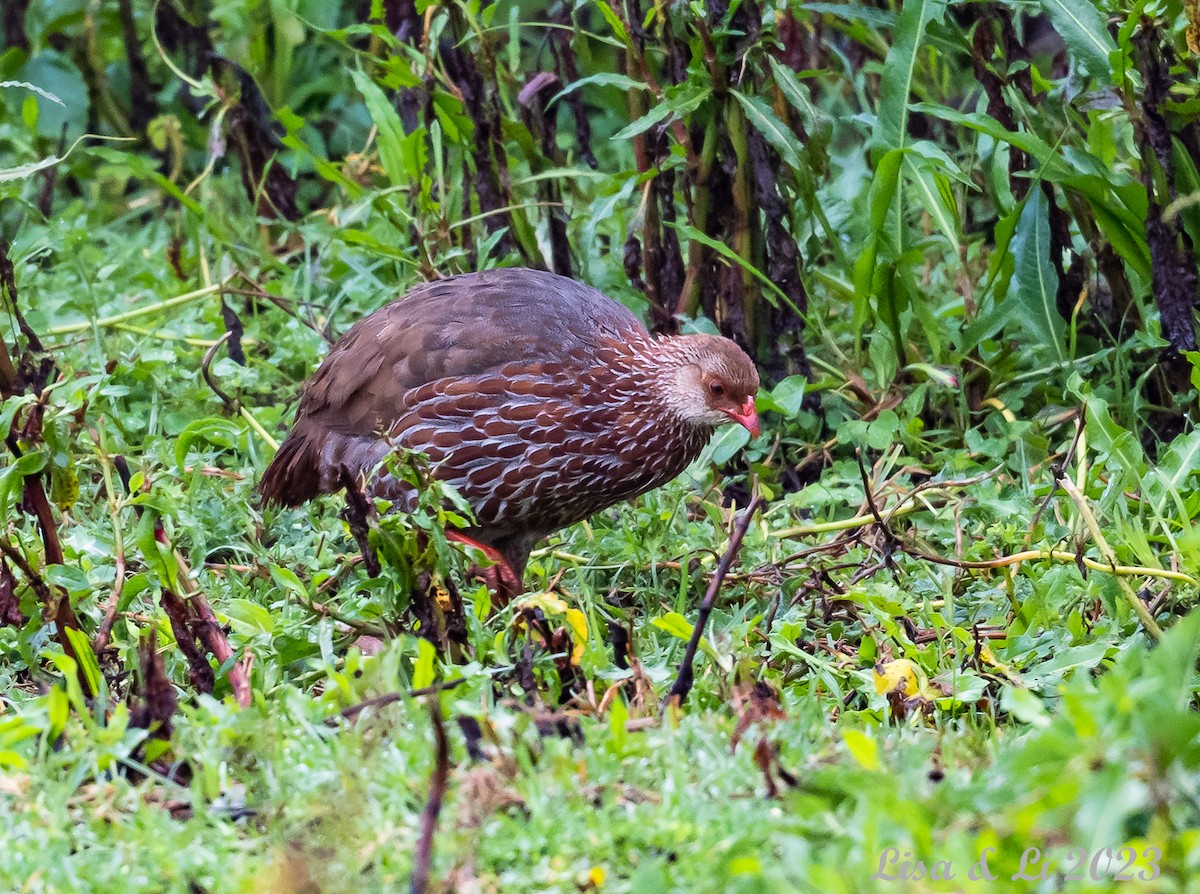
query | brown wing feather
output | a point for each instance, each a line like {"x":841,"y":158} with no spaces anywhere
{"x":457,"y":329}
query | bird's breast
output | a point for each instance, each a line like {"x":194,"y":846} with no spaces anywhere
{"x":547,"y":449}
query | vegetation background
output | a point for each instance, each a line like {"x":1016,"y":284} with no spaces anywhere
{"x":959,"y":237}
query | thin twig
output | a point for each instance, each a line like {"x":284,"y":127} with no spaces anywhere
{"x":114,"y":511}
{"x":391,"y":698}
{"x":1139,"y":607}
{"x":423,"y":857}
{"x":891,"y":544}
{"x":231,"y":404}
{"x":683,"y":682}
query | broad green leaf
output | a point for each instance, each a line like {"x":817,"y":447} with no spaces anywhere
{"x":766,"y":122}
{"x":423,"y":668}
{"x":728,"y":441}
{"x":248,"y":617}
{"x":86,"y":658}
{"x":1035,"y":282}
{"x":899,"y":70}
{"x":1082,"y":28}
{"x":391,"y":136}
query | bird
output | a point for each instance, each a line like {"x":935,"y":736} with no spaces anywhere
{"x":539,"y":398}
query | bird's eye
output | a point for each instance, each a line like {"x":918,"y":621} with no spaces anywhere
{"x":717,"y":388}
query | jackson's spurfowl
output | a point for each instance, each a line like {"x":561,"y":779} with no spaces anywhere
{"x":541,"y":400}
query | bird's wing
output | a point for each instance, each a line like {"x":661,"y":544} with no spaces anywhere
{"x":461,"y":327}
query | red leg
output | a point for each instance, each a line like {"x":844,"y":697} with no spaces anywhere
{"x":500,"y":577}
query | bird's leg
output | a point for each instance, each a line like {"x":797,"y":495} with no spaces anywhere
{"x":500,"y":576}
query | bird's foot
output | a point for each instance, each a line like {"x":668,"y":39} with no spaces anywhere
{"x":500,"y":578}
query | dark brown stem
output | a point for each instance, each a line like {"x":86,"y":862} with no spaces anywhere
{"x":423,"y":858}
{"x":203,"y":625}
{"x":683,"y":683}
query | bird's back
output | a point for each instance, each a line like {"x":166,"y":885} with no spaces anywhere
{"x":458,"y":332}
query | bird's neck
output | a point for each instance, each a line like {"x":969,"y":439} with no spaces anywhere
{"x":666,"y":364}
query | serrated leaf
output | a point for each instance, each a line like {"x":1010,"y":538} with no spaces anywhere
{"x":796,"y":96}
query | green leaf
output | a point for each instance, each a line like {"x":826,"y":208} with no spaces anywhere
{"x":796,"y":96}
{"x":1022,"y":704}
{"x":936,"y":196}
{"x":643,"y":124}
{"x":726,"y":252}
{"x":728,"y":441}
{"x":765,"y":121}
{"x":69,"y":577}
{"x":674,"y":624}
{"x":1082,"y":28}
{"x":249,"y":618}
{"x":86,"y":658}
{"x":1035,"y":282}
{"x":786,"y":397}
{"x":883,"y":187}
{"x":679,"y":626}
{"x":614,"y":21}
{"x":602,"y":79}
{"x":899,"y":70}
{"x":423,"y":667}
{"x":391,"y":134}
{"x":863,"y":749}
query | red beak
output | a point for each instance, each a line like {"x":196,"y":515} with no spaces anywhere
{"x":747,"y":417}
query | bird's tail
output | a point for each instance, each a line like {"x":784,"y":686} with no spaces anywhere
{"x":313,"y":460}
{"x":294,"y":475}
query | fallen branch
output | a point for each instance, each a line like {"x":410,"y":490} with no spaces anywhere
{"x":683,"y":682}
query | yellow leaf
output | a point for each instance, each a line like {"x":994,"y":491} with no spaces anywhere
{"x":554,"y":606}
{"x":578,"y":624}
{"x":897,"y":676}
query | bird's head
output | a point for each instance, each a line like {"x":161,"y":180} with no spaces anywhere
{"x":714,"y":382}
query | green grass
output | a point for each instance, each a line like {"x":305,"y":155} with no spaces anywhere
{"x":907,"y":711}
